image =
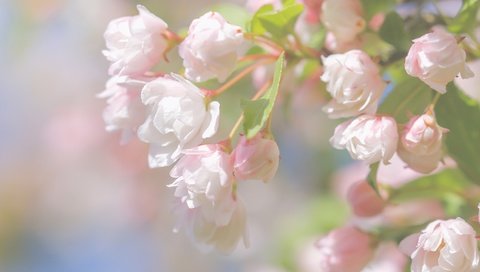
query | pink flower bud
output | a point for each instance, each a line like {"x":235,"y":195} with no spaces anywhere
{"x":367,"y":138}
{"x":354,"y":82}
{"x":363,"y":200}
{"x":343,"y":18}
{"x":444,"y":245}
{"x":135,"y":44}
{"x":211,"y":48}
{"x":436,"y":58}
{"x":256,"y":158}
{"x":421,"y":143}
{"x":344,"y":249}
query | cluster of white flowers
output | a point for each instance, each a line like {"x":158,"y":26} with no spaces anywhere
{"x":174,"y":117}
{"x":355,"y":85}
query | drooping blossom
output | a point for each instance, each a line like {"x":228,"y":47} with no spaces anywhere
{"x":256,"y":159}
{"x":343,"y":18}
{"x":421,"y":143}
{"x":211,"y":48}
{"x":344,"y":249}
{"x":436,"y":58}
{"x":179,"y":118}
{"x":125,"y":110}
{"x":135,"y":44}
{"x":363,"y":200}
{"x":354,"y":82}
{"x":368,"y":138}
{"x":444,"y":245}
{"x":207,"y":204}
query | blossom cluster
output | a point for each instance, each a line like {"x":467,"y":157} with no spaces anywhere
{"x":356,"y":86}
{"x":174,"y":116}
{"x":179,"y":119}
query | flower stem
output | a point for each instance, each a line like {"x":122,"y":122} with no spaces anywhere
{"x":307,"y":51}
{"x":257,"y":57}
{"x":263,"y":40}
{"x":259,"y":93}
{"x":237,"y":78}
{"x":435,"y":99}
{"x":235,"y":127}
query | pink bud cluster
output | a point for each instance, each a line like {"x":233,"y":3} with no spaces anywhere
{"x":175,"y":117}
{"x":355,"y":86}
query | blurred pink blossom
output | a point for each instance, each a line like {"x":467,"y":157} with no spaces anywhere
{"x":436,"y":59}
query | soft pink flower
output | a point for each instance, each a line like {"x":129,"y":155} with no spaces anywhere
{"x":179,"y":118}
{"x":206,"y":202}
{"x":256,"y":158}
{"x":354,"y":82}
{"x":436,"y":58}
{"x":135,"y":44}
{"x":421,"y":143}
{"x":125,"y":110}
{"x":444,"y":245}
{"x":204,"y":175}
{"x":367,"y":138}
{"x":344,"y":249}
{"x":211,"y":48}
{"x":363,"y":200}
{"x":343,"y":18}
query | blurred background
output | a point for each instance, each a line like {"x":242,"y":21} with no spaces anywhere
{"x":73,"y":199}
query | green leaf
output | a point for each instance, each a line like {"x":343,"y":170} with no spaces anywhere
{"x":255,"y":25}
{"x":372,"y":7}
{"x":393,"y":32}
{"x":278,"y":23}
{"x":304,"y":225}
{"x":410,"y":96}
{"x":440,"y":186}
{"x":257,"y":112}
{"x":373,"y":45}
{"x":465,"y":20}
{"x":461,"y":115}
{"x":234,"y":14}
{"x":372,"y":177}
